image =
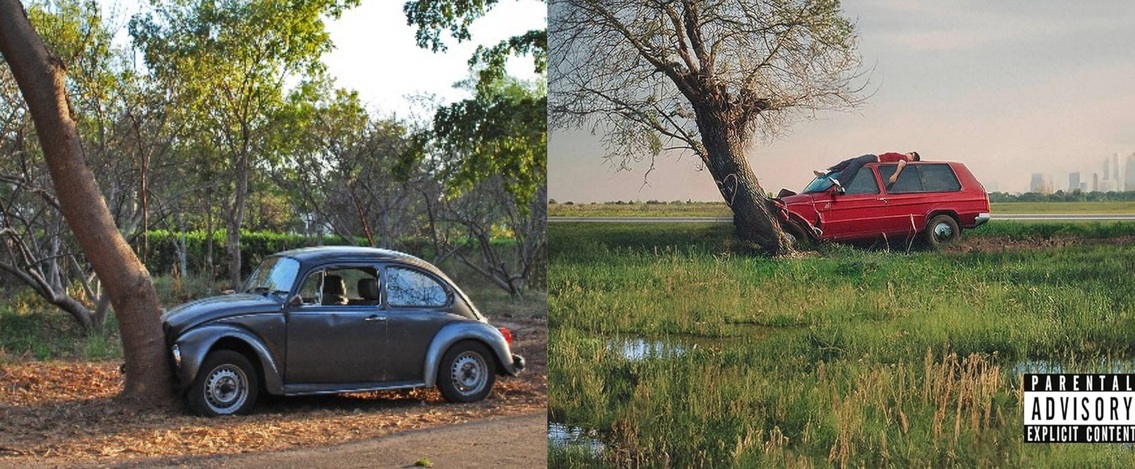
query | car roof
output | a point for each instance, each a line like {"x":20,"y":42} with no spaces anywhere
{"x":325,"y":253}
{"x":920,"y":162}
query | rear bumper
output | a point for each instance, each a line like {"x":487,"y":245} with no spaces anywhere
{"x":518,"y":365}
{"x":980,"y":219}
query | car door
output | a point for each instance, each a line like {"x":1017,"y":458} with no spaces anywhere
{"x":918,"y":191}
{"x":855,"y":213}
{"x":418,"y":304}
{"x":336,"y":337}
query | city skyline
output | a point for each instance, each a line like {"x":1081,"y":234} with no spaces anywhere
{"x":1112,"y":178}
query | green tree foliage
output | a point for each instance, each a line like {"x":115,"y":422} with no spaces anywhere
{"x":38,"y":250}
{"x":487,"y":154}
{"x":501,"y":131}
{"x":229,"y":61}
{"x":341,"y":169}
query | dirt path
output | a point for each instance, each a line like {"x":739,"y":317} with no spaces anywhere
{"x":518,"y":441}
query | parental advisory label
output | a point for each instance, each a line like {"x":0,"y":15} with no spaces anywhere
{"x":1079,"y":408}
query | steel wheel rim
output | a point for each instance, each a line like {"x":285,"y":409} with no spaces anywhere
{"x":943,"y":232}
{"x":226,"y":390}
{"x":469,"y":373}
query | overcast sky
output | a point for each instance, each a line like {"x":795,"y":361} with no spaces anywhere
{"x":1009,"y":88}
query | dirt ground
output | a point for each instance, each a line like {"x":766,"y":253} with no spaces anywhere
{"x":1004,"y":243}
{"x":63,"y":414}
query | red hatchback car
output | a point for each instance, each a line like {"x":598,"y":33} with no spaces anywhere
{"x":934,"y":199}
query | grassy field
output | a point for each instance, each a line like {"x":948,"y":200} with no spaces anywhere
{"x":845,"y":357}
{"x":718,"y":209}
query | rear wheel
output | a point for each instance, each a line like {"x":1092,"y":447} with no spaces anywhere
{"x":941,"y":231}
{"x":466,"y":373}
{"x":226,"y":384}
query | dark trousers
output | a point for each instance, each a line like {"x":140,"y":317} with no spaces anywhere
{"x":850,"y":167}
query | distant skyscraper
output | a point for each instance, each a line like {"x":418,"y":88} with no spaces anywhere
{"x":1073,"y":182}
{"x":1095,"y":182}
{"x":1106,"y":169}
{"x":1041,"y":184}
{"x":1115,"y":170}
{"x":1036,"y":183}
{"x":1129,"y":173}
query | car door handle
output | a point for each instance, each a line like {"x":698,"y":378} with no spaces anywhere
{"x":883,"y":199}
{"x":375,"y":317}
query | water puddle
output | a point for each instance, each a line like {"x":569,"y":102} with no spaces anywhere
{"x":638,"y":349}
{"x":564,"y":436}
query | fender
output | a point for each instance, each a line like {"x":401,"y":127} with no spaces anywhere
{"x":194,"y":345}
{"x":479,"y":331}
{"x":793,"y":220}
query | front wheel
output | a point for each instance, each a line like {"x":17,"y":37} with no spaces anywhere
{"x":226,"y":384}
{"x":941,"y":231}
{"x":466,"y":373}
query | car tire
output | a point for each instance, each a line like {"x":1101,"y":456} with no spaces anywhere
{"x":466,"y":372}
{"x":226,"y":384}
{"x":941,"y":231}
{"x":798,"y":236}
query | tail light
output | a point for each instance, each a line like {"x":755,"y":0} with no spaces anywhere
{"x":507,"y":335}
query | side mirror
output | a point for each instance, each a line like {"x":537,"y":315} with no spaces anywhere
{"x":295,"y":300}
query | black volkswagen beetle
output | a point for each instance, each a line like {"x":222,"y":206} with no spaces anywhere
{"x":333,"y":320}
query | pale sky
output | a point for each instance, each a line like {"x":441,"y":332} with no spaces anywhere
{"x":1010,"y":88}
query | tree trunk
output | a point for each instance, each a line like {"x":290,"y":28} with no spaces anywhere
{"x":235,"y":221}
{"x":210,"y":233}
{"x":41,"y":78}
{"x":754,"y":217}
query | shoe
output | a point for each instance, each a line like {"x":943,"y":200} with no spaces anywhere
{"x":839,"y":187}
{"x":819,"y":173}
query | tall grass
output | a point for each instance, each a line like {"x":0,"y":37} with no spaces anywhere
{"x":844,"y":358}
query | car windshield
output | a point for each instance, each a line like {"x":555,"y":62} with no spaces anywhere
{"x":275,"y":274}
{"x":820,"y":184}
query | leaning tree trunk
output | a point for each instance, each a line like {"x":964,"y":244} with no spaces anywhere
{"x":41,"y":78}
{"x":754,"y":217}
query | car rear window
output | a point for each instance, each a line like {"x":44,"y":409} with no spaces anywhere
{"x":921,"y":178}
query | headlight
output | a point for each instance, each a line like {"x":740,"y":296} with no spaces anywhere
{"x":176,"y":356}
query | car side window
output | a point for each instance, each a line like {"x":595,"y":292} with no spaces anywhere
{"x":310,"y":289}
{"x":908,"y":181}
{"x":341,"y":286}
{"x":922,"y":178}
{"x":406,"y":287}
{"x":864,"y":183}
